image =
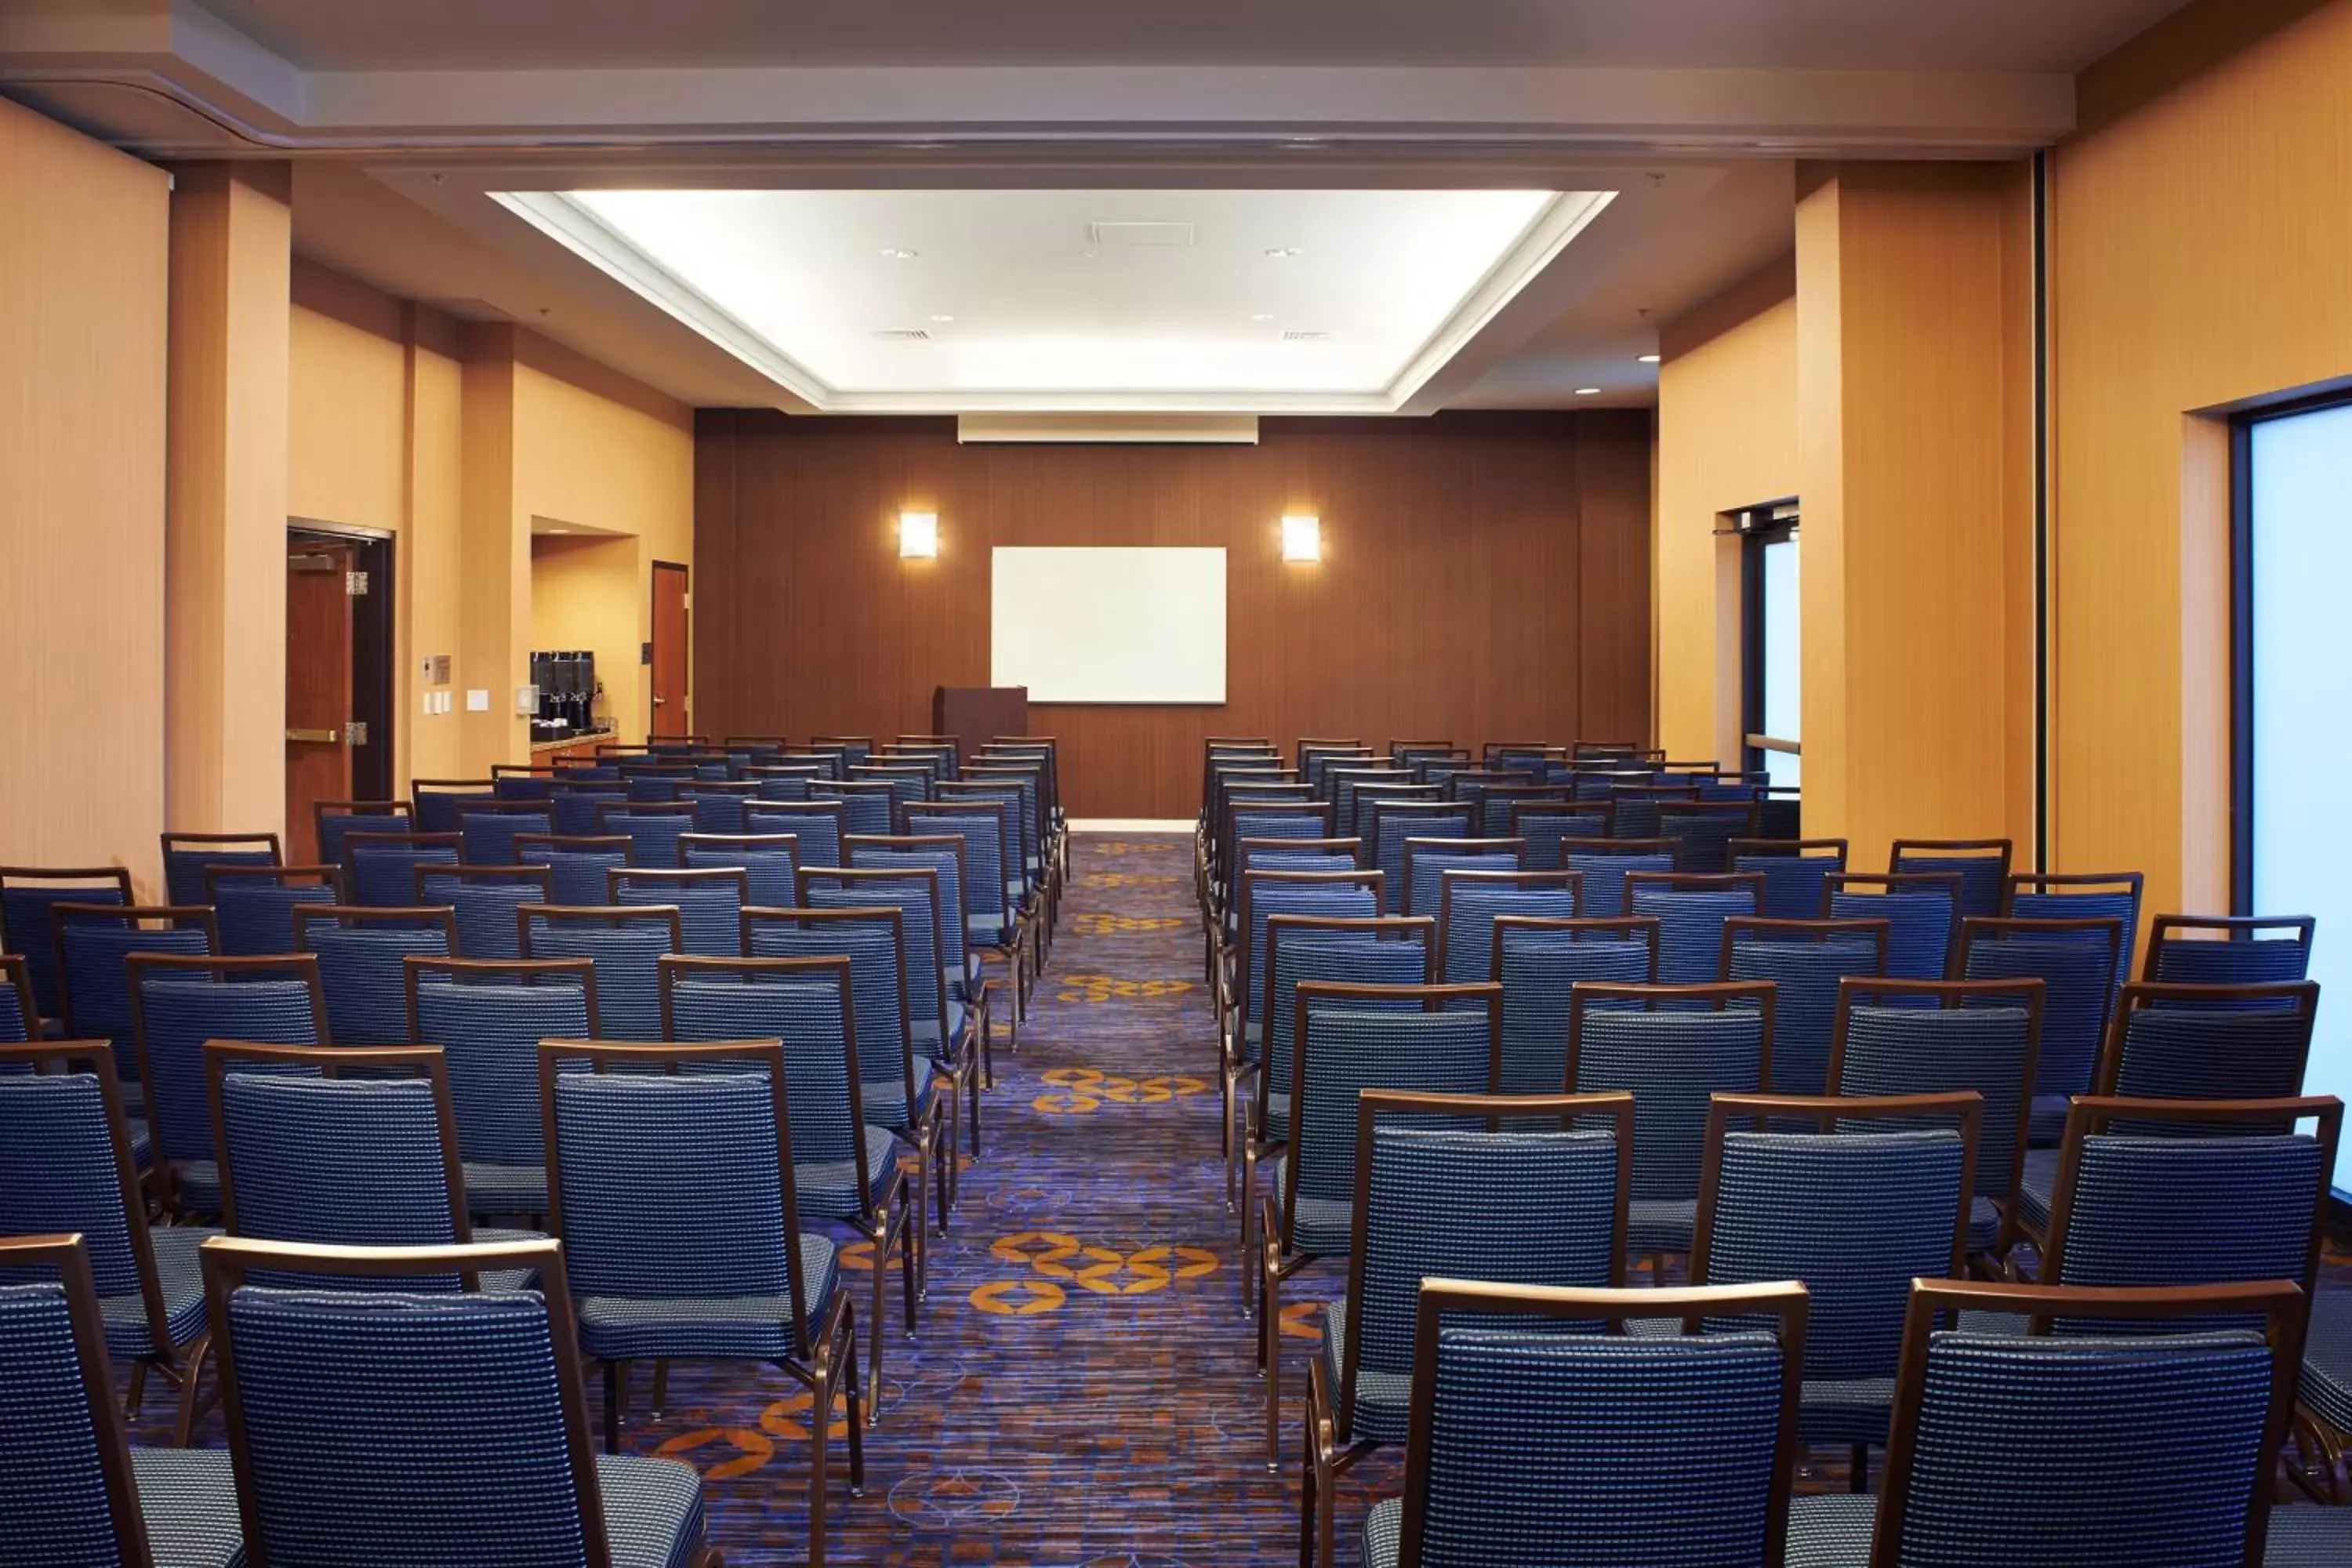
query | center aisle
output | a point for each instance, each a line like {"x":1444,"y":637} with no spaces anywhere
{"x":1083,"y":1391}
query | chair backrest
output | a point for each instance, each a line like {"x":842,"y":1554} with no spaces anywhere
{"x":2209,"y":1042}
{"x":1637,"y":805}
{"x":67,"y":1166}
{"x":1539,"y":962}
{"x":2152,"y":1447}
{"x":1496,"y":801}
{"x":873,"y":940}
{"x":1806,"y":959}
{"x":651,"y":830}
{"x":709,"y":901}
{"x":943,"y":856}
{"x":1546,"y":825}
{"x":782,"y":782}
{"x":1291,"y":854}
{"x":817,"y":825}
{"x":1921,"y":908}
{"x":1469,"y":901}
{"x":20,"y":1012}
{"x":2081,"y":895}
{"x":1703,"y":830}
{"x":361,"y":954}
{"x":254,"y":905}
{"x":2239,"y":950}
{"x":1981,"y":865}
{"x":511,"y":781}
{"x":1527,"y":1204}
{"x":26,"y":893}
{"x":986,"y":851}
{"x":1264,"y":894}
{"x":487,"y":1018}
{"x":1672,"y":1048}
{"x":915,"y":892}
{"x":91,"y":942}
{"x":1793,"y":870}
{"x":1363,"y":950}
{"x":188,"y":855}
{"x":471,"y":1408}
{"x":672,"y":1176}
{"x":483,"y":900}
{"x":1605,"y":863}
{"x":1344,"y":783}
{"x":1522,"y":1449}
{"x":62,"y":1441}
{"x":809,"y":1005}
{"x":379,"y":869}
{"x":179,"y":1003}
{"x":770,"y":863}
{"x":442,"y":803}
{"x":626,"y":945}
{"x":333,"y":818}
{"x":718,"y":807}
{"x":1388,"y":822}
{"x":1856,"y":1207}
{"x":488,"y":831}
{"x":1692,"y":909}
{"x":573,"y":806}
{"x":864,"y":803}
{"x":1427,"y":860}
{"x":2079,"y":963}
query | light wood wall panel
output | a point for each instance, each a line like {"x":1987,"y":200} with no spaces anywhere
{"x":1485,"y":577}
{"x":83,"y":291}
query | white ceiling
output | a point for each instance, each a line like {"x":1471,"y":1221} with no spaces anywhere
{"x":1129,"y":301}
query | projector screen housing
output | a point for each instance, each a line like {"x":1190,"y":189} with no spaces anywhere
{"x":1108,"y":624}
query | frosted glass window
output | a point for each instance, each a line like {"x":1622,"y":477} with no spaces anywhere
{"x":2301,"y":480}
{"x":1784,"y":660}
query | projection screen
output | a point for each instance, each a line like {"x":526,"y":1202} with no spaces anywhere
{"x":1108,"y":624}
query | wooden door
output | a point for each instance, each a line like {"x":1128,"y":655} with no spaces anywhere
{"x":318,"y":687}
{"x":670,"y":632}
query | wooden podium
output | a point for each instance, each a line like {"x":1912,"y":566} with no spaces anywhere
{"x":975,"y":715}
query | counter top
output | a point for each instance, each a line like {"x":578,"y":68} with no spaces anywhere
{"x":582,"y":738}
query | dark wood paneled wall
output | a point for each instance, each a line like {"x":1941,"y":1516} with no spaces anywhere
{"x":1486,"y":576}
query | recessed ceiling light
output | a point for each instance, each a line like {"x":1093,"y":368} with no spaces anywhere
{"x":1283,"y":252}
{"x":943,"y":318}
{"x":1588,"y":391}
{"x":1646,"y":359}
{"x":894,"y":253}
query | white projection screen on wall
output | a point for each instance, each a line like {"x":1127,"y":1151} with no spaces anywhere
{"x":1108,"y":624}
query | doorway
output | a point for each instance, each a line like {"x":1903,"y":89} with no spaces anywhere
{"x":338,"y":676}
{"x":672,"y":612}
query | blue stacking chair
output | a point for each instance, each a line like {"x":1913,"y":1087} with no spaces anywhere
{"x":91,"y":942}
{"x":1538,"y":962}
{"x":1874,"y":1194}
{"x":177,"y":1003}
{"x":1241,"y":992}
{"x":577,"y":865}
{"x":487,"y":832}
{"x":380,"y":868}
{"x":768,"y":861}
{"x":719,"y":805}
{"x":1373,"y":793}
{"x":1545,"y":825}
{"x":310,"y":1155}
{"x":992,"y":926}
{"x":1900,"y":1037}
{"x":483,"y":900}
{"x":1702,"y":831}
{"x":817,"y":825}
{"x":511,"y":781}
{"x":1570,"y":1449}
{"x":709,"y":904}
{"x":1342,"y":784}
{"x":1022,"y":881}
{"x":1638,"y":804}
{"x":844,"y":1170}
{"x":574,"y":807}
{"x":254,"y":905}
{"x":78,"y":1491}
{"x":488,"y":1018}
{"x":361,"y":955}
{"x":188,"y":855}
{"x":1602,"y":782}
{"x":1795,"y":871}
{"x":864,"y":803}
{"x":657,"y":784}
{"x":909,"y":782}
{"x":441,"y":805}
{"x":1391,"y":823}
{"x":681,"y":1226}
{"x":1981,"y":865}
{"x":2081,"y":895}
{"x":2215,"y":949}
{"x":1781,"y":813}
{"x":1806,"y":959}
{"x":1427,"y":860}
{"x":1471,"y":900}
{"x":1262,"y":819}
{"x":652,"y":831}
{"x":2066,"y":1449}
{"x":1692,"y":911}
{"x":67,"y":1169}
{"x":851,"y":749}
{"x":1605,"y":863}
{"x":1535,"y":1205}
{"x":1347,"y":1037}
{"x":789,"y":782}
{"x":626,"y":946}
{"x":1294,"y":855}
{"x":1496,"y":801}
{"x":1671,"y":1048}
{"x":2079,"y":963}
{"x":471,"y":1408}
{"x":1921,"y":908}
{"x":26,"y":895}
{"x":830,"y":759}
{"x":943,"y":855}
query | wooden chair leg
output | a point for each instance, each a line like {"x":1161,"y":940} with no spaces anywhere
{"x":856,"y":1412}
{"x":191,"y":1373}
{"x":617,"y":1403}
{"x":820,"y":1418}
{"x":660,"y":1400}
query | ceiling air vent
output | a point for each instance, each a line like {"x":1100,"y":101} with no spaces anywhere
{"x":904,"y":335}
{"x":1296,"y":336}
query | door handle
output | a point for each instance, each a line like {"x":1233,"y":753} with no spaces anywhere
{"x":316,"y":737}
{"x":659,"y":700}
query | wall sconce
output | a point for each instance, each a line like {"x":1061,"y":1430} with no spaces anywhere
{"x":1302,"y":539}
{"x":918,"y":535}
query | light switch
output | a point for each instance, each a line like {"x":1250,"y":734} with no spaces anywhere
{"x":477,"y":700}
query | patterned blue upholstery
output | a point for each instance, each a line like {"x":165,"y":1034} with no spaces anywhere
{"x":444,"y":810}
{"x":1539,"y":969}
{"x":863,"y":810}
{"x":178,"y":1013}
{"x":645,"y":788}
{"x":578,"y":868}
{"x":1805,"y":1013}
{"x":2030,"y":900}
{"x":1671,"y":1062}
{"x":256,"y":914}
{"x":983,"y":856}
{"x":25,"y":928}
{"x":1690,"y":926}
{"x":489,"y":835}
{"x":2308,"y":1536}
{"x":16,"y":1011}
{"x":382,"y":875}
{"x":674,"y":1219}
{"x":1514,"y":1208}
{"x":2327,"y":1359}
{"x":49,"y":1442}
{"x":953,"y":939}
{"x":627,"y":956}
{"x":1025,"y":867}
{"x":1496,"y":807}
{"x":1531,"y":1458}
{"x":2193,"y":963}
{"x":2212,"y":1053}
{"x":1637,"y":807}
{"x":766,"y":861}
{"x":780,"y":783}
{"x":929,"y":1018}
{"x":815,"y":825}
{"x":1396,"y":825}
{"x":1939,"y":1051}
{"x":1794,"y":885}
{"x":1984,"y":876}
{"x":1307,"y":954}
{"x":484,"y":909}
{"x":709,"y":908}
{"x":1471,"y":904}
{"x":652,"y":835}
{"x":425,"y":1431}
{"x":97,"y":994}
{"x":1265,"y":822}
{"x":2079,"y":976}
{"x":1267,"y":896}
{"x":1856,"y":1215}
{"x":574,"y":813}
{"x":362,"y":967}
{"x":395,"y":817}
{"x":1426,"y":863}
{"x":184,"y":869}
{"x":717,"y":810}
{"x":875,"y":951}
{"x":488,"y":1031}
{"x":1292,"y":861}
{"x":1922,"y":921}
{"x":906,"y":785}
{"x":1604,"y":877}
{"x":1704,"y":833}
{"x":510,"y":786}
{"x":1345,"y":1050}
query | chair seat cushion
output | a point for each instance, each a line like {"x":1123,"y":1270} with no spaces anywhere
{"x":1832,"y":1531}
{"x":1384,"y":1411}
{"x":2308,"y":1536}
{"x":636,"y":1328}
{"x":652,"y":1511}
{"x":1384,"y":1534}
{"x":1660,"y":1225}
{"x":125,"y":1317}
{"x":1846,"y":1410}
{"x":2046,"y":1122}
{"x":1278,"y":1119}
{"x":2327,"y":1359}
{"x":1321,"y":1227}
{"x":832,"y":1190}
{"x":1984,"y":1224}
{"x":197,"y":1183}
{"x":882,"y":1099}
{"x":507,"y":1279}
{"x":505,"y":1189}
{"x":188,"y":1498}
{"x":2037,"y":1188}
